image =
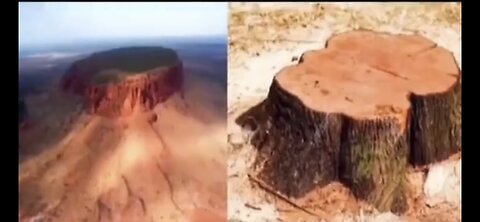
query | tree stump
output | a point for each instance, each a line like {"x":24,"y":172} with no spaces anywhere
{"x":358,"y":111}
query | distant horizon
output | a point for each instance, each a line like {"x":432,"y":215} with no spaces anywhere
{"x":219,"y":37}
{"x":52,"y":23}
{"x":86,"y":45}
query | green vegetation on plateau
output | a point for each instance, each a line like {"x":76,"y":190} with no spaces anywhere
{"x":113,"y":65}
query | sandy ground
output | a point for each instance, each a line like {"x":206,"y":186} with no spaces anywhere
{"x":264,"y":37}
{"x":91,"y":168}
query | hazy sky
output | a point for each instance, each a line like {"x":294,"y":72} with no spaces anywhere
{"x":46,"y":23}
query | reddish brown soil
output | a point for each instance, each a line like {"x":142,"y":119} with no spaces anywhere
{"x":119,"y":81}
{"x":144,"y":167}
{"x":336,"y":199}
{"x":203,"y":215}
{"x":137,"y":92}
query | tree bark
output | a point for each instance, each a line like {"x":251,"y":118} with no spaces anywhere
{"x":306,"y":141}
{"x":437,"y":125}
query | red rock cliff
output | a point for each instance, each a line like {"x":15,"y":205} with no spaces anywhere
{"x":141,"y":91}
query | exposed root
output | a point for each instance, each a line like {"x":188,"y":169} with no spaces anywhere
{"x":252,"y":207}
{"x":267,"y":188}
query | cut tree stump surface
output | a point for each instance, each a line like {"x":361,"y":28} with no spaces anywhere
{"x":358,"y":111}
{"x":366,"y":75}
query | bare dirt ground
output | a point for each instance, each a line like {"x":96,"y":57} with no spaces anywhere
{"x":88,"y":168}
{"x":264,"y":37}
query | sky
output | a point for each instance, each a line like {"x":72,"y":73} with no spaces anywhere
{"x":67,"y":22}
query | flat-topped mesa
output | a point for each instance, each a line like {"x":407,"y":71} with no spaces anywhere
{"x":119,"y":81}
{"x":358,"y":111}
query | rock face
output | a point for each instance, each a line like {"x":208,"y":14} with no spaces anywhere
{"x":359,"y":111}
{"x":119,"y":81}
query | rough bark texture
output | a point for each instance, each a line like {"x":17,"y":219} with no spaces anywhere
{"x":436,"y":125}
{"x":374,"y":156}
{"x":293,"y":135}
{"x":305,"y":140}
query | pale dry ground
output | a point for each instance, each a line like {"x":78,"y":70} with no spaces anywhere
{"x":264,"y":37}
{"x":129,"y":169}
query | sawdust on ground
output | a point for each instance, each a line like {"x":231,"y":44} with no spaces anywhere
{"x":264,"y":37}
